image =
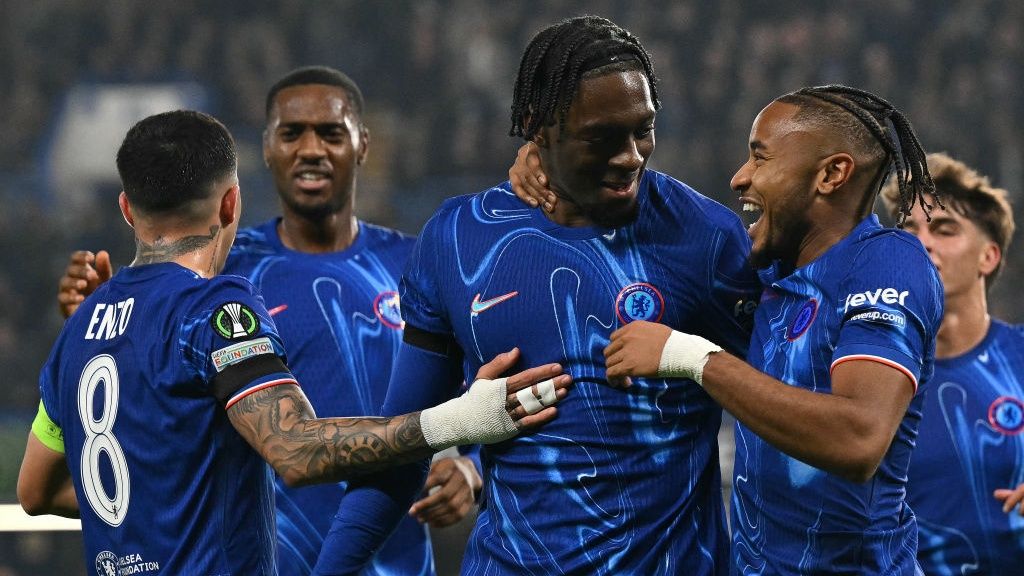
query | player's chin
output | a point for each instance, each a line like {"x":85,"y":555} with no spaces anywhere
{"x":313,"y":206}
{"x":616,"y":213}
{"x":759,"y":257}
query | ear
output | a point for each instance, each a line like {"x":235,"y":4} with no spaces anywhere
{"x":543,"y":137}
{"x":364,"y":145}
{"x":266,"y":148}
{"x":126,"y":209}
{"x":230,"y":205}
{"x":835,"y":171}
{"x":989,"y":258}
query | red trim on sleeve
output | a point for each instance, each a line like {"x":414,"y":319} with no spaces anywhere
{"x":265,"y":385}
{"x":880,"y":360}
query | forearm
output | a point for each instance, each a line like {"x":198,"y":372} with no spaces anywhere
{"x":827,"y":431}
{"x":472,"y":453}
{"x":375,"y":504}
{"x":305,"y":450}
{"x":59,"y":501}
{"x":44,"y":481}
{"x":371,"y":510}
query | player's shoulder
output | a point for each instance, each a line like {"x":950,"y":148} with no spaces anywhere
{"x":1009,"y":332}
{"x":378,"y":235}
{"x":255,"y":240}
{"x":498,"y":196}
{"x":873,"y":240}
{"x":219,"y":290}
{"x":871,"y":232}
{"x":494,"y":202}
{"x":668,"y":193}
{"x":227,"y":283}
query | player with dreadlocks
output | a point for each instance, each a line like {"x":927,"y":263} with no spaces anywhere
{"x":623,"y":482}
{"x":829,"y":405}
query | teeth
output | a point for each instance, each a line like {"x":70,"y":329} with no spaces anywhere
{"x":751,"y":207}
{"x":310,"y":176}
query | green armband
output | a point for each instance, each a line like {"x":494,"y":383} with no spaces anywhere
{"x":47,"y":430}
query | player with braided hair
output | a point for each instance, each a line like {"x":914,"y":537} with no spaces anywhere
{"x":829,"y":404}
{"x":886,"y":126}
{"x":624,"y":482}
{"x":545,"y":87}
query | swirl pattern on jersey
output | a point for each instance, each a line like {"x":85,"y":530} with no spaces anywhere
{"x":622,"y":481}
{"x":966,"y":450}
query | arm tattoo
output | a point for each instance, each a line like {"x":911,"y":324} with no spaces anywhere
{"x":163,"y":251}
{"x":303,"y":449}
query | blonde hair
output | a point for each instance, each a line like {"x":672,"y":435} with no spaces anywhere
{"x":970,"y":195}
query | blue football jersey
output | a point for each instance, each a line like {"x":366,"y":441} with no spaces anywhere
{"x":873,"y":296}
{"x":164,"y":483}
{"x":969,"y":445}
{"x":338,"y":315}
{"x":623,"y":481}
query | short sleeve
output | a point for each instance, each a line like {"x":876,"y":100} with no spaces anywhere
{"x":228,"y":327}
{"x":422,"y":306}
{"x":891,"y":306}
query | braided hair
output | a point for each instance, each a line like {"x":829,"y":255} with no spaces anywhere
{"x":561,"y":55}
{"x":901,"y":151}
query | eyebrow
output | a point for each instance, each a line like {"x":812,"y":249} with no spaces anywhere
{"x":756,"y":145}
{"x":942,"y":219}
{"x":603,"y":124}
{"x":315,"y":125}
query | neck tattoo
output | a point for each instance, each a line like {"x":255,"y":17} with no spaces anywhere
{"x":166,"y":251}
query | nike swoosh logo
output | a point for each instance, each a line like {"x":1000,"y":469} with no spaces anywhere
{"x":479,"y":306}
{"x":277,"y":309}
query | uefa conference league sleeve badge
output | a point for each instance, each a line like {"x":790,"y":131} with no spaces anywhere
{"x":234,"y":320}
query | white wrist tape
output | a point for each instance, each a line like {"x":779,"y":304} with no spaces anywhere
{"x":477,"y":417}
{"x":685,"y":355}
{"x":545,"y":397}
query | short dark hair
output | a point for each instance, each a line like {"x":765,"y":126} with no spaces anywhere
{"x":879,"y":132}
{"x":171,"y":159}
{"x":972,"y":196}
{"x":561,"y":55}
{"x":318,"y":75}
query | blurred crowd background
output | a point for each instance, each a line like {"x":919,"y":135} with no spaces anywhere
{"x":437,"y":76}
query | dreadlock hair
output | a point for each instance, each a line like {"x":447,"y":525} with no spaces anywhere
{"x":869,"y":120}
{"x":970,"y":195}
{"x":561,"y":55}
{"x":317,"y":75}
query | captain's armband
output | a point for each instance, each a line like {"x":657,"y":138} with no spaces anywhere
{"x":47,"y":431}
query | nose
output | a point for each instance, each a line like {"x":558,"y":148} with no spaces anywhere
{"x":311,"y":146}
{"x":741,"y":179}
{"x":629,"y":158}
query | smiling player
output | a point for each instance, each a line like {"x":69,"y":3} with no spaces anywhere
{"x":627,"y":482}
